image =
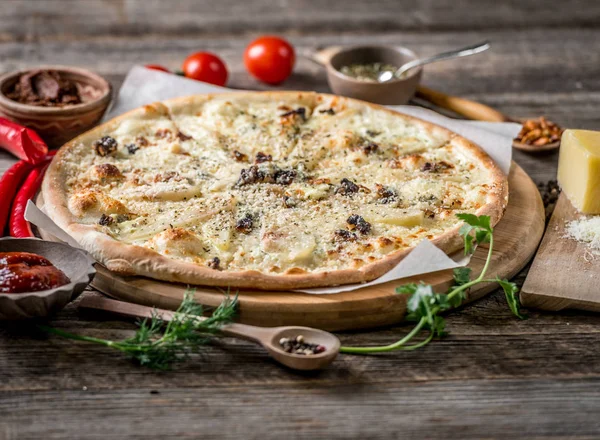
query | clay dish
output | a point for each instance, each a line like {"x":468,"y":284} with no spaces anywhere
{"x":57,"y":125}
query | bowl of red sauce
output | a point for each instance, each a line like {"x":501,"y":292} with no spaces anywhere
{"x":38,"y":278}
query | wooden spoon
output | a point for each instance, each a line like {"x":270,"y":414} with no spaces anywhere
{"x":479,"y":112}
{"x":268,"y":337}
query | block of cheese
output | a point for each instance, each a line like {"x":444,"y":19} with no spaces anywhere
{"x":579,"y":169}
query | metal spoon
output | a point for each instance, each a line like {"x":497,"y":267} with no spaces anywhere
{"x":268,"y":337}
{"x":465,"y":51}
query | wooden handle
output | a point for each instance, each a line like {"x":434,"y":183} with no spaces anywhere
{"x":323,"y":56}
{"x":242,"y":331}
{"x":469,"y":109}
{"x":126,"y":309}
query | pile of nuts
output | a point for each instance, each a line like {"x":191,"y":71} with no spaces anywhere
{"x":298,"y":346}
{"x":539,"y":132}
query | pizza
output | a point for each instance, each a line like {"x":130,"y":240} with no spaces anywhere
{"x":267,"y":190}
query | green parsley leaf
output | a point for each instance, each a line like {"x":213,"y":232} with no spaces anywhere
{"x":481,"y":222}
{"x":462,"y":275}
{"x":469,"y":247}
{"x":439,"y":327}
{"x":480,"y":225}
{"x":457,"y":299}
{"x":482,"y":236}
{"x":510,"y":291}
{"x":407,"y":289}
{"x":469,"y":219}
{"x":420,"y":302}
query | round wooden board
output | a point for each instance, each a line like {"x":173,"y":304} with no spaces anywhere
{"x":516,"y":239}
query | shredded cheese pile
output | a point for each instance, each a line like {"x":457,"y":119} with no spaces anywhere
{"x":585,"y":230}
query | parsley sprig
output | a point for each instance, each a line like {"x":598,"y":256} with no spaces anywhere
{"x":157,"y":344}
{"x":424,"y":306}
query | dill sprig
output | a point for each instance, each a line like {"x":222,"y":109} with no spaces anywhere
{"x":424,"y":306}
{"x":157,"y":344}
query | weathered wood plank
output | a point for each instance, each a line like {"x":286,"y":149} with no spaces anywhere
{"x":526,"y":61}
{"x":515,"y":409}
{"x":26,"y":20}
{"x":485,"y":342}
{"x":523,"y":75}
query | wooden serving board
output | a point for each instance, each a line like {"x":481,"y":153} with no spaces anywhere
{"x":564,"y":274}
{"x":517,"y":237}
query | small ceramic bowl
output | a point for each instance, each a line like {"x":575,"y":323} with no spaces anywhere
{"x":75,"y":263}
{"x":57,"y":125}
{"x":397,"y":91}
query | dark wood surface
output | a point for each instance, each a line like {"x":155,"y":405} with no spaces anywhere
{"x":493,"y":377}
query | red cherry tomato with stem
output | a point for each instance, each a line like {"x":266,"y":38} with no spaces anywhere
{"x":270,"y":59}
{"x":207,"y":67}
{"x":157,"y":67}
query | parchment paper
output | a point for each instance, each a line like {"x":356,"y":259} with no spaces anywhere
{"x":143,"y":86}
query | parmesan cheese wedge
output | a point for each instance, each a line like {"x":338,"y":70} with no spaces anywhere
{"x":579,"y":169}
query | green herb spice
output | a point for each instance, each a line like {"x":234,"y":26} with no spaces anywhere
{"x":157,"y":344}
{"x":424,"y":306}
{"x":367,"y":72}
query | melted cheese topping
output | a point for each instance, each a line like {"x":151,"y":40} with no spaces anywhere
{"x":310,"y":184}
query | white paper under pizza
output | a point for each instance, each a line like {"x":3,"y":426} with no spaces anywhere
{"x":143,"y":86}
{"x":424,"y":258}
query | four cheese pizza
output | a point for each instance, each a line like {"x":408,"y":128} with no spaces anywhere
{"x":267,"y":190}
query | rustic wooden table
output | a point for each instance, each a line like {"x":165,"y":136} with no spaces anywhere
{"x":493,"y":377}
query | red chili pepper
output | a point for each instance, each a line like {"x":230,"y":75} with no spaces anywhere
{"x":9,"y":184}
{"x":18,"y":226}
{"x":21,"y":141}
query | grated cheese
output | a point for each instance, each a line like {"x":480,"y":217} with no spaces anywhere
{"x":585,"y":230}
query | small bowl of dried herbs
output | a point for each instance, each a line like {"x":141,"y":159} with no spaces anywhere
{"x":353,"y":72}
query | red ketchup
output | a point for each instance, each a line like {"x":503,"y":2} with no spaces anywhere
{"x":27,"y":272}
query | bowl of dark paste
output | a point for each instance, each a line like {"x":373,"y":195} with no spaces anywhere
{"x":39,"y":278}
{"x":59,"y":102}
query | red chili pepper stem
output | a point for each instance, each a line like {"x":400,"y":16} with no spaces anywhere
{"x":18,"y":226}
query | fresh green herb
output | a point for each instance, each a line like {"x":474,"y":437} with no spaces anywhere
{"x":462,"y":275}
{"x":367,"y":71}
{"x":510,"y":291}
{"x":424,"y":306}
{"x":157,"y":344}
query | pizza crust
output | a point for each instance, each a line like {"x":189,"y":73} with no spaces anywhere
{"x":127,"y":259}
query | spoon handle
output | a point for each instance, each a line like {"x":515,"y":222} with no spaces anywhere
{"x":463,"y":52}
{"x":242,"y":331}
{"x":464,"y":107}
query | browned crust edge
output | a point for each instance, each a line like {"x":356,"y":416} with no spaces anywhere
{"x":135,"y":260}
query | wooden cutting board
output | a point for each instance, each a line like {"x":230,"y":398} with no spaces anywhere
{"x":564,"y":274}
{"x":517,"y":237}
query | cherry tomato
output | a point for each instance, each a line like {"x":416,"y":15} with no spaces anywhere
{"x":270,"y":59}
{"x":157,"y":67}
{"x":207,"y":67}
